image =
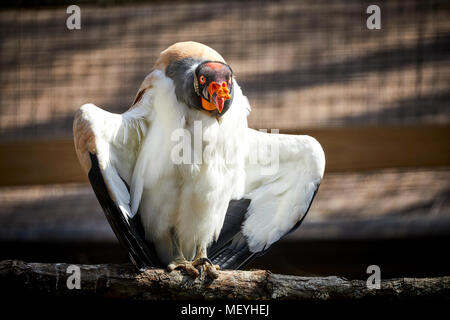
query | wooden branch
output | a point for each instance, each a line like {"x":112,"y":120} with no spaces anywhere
{"x":124,"y":282}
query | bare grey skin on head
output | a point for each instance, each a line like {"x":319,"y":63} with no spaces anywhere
{"x":182,"y":74}
{"x":186,"y":75}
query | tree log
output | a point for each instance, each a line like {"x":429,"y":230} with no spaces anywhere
{"x":123,"y":281}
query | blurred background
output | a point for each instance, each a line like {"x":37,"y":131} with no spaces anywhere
{"x":377,"y":100}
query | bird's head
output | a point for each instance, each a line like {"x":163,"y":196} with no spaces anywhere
{"x":213,"y":84}
{"x":201,"y":77}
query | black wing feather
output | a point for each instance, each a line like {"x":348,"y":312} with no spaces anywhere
{"x":128,"y":231}
{"x":231,"y":250}
{"x":235,"y":255}
{"x":232,"y":224}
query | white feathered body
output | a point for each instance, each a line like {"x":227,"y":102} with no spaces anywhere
{"x":190,"y":199}
{"x":140,"y":148}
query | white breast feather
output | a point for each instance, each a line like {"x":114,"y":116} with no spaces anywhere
{"x":192,"y":198}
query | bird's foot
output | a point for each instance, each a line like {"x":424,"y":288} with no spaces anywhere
{"x":184,"y":265}
{"x":206,"y":264}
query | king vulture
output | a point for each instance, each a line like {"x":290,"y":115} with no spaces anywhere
{"x":183,"y":181}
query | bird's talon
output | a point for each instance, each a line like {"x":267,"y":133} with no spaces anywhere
{"x":186,"y":266}
{"x":193,"y":272}
{"x":204,"y":264}
{"x":212,"y":271}
{"x":201,"y":262}
{"x":171,"y":267}
{"x":200,"y":269}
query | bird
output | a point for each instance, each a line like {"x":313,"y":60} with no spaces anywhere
{"x":183,"y":181}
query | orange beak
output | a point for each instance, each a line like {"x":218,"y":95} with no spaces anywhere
{"x":218,"y":93}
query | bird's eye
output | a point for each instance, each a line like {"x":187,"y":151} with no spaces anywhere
{"x":202,"y":79}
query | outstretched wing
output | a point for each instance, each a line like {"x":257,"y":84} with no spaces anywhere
{"x":283,"y":174}
{"x":107,"y":145}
